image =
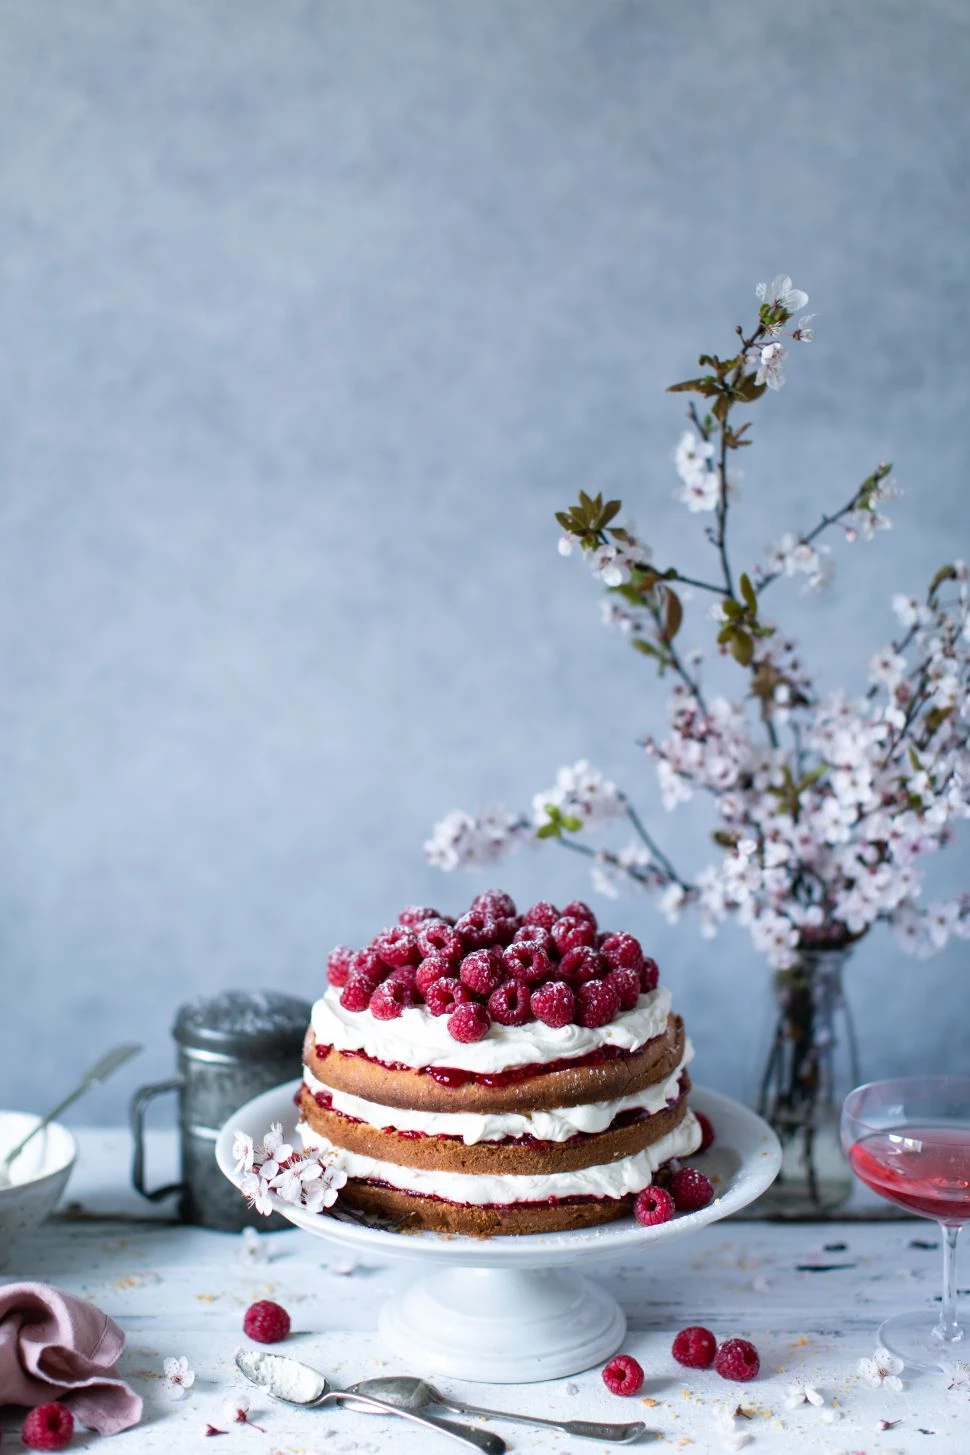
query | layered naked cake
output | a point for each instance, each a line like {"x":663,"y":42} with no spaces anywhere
{"x":497,"y":1074}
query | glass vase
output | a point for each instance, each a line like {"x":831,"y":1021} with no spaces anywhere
{"x":812,"y":1064}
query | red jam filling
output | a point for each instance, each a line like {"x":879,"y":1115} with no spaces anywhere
{"x":453,"y":1076}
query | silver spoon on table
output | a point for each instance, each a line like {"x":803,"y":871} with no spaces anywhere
{"x":291,"y":1382}
{"x":99,"y":1072}
{"x":414,"y":1394}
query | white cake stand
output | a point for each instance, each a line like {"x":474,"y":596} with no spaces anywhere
{"x":514,"y":1310}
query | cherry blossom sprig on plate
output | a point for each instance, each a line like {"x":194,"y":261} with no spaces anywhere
{"x":825,"y":802}
{"x":274,"y":1166}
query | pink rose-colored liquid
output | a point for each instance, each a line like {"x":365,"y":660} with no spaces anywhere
{"x":923,"y":1168}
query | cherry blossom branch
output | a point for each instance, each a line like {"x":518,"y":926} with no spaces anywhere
{"x":651,"y":844}
{"x":829,"y":520}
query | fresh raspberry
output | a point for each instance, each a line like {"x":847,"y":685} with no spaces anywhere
{"x":622,"y":952}
{"x":576,"y":909}
{"x":444,"y":995}
{"x":623,"y":1375}
{"x":390,"y":999}
{"x":338,"y":965}
{"x":543,"y":913}
{"x":397,"y":946}
{"x":554,"y":1004}
{"x":437,"y":938}
{"x":404,"y":975}
{"x":483,"y":970}
{"x":478,"y":929}
{"x":534,"y":935}
{"x":48,"y":1427}
{"x":368,"y":965}
{"x":598,"y":1003}
{"x":527,"y":962}
{"x":737,"y":1359}
{"x":469,"y":1022}
{"x":417,"y":914}
{"x":356,"y":993}
{"x":653,"y":1205}
{"x":509,"y":1004}
{"x":649,"y":975}
{"x":266,"y":1322}
{"x":495,"y":903}
{"x":690,"y":1189}
{"x":707,"y":1131}
{"x":695,"y":1347}
{"x":436,"y":967}
{"x":626,"y":983}
{"x":582,"y":964}
{"x":569,"y":934}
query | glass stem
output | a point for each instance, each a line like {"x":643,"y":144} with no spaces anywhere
{"x":948,"y":1328}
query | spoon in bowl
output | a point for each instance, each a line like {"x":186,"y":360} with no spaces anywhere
{"x":414,"y":1394}
{"x":291,"y":1382}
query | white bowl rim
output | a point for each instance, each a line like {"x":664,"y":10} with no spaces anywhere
{"x":64,"y":1158}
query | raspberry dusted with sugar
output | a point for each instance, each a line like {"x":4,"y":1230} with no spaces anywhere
{"x":368,"y":965}
{"x":623,"y":1375}
{"x":653,"y":1205}
{"x":527,"y":961}
{"x":397,"y":946}
{"x":390,"y":999}
{"x":543,"y":913}
{"x":266,"y":1322}
{"x":534,"y":935}
{"x":554,"y":1004}
{"x":576,"y":909}
{"x":496,"y":903}
{"x":694,"y":1347}
{"x":469,"y":1022}
{"x":478,"y":929}
{"x":509,"y":1004}
{"x":338,"y":965}
{"x":622,"y":952}
{"x":649,"y":975}
{"x":444,"y":995}
{"x":416,"y":914}
{"x":48,"y":1427}
{"x":737,"y":1359}
{"x":582,"y":964}
{"x":437,"y":938}
{"x":356,"y":993}
{"x":690,"y":1189}
{"x":435,"y":967}
{"x":598,"y":1004}
{"x":570,"y":934}
{"x":707,"y":1131}
{"x":483,"y":970}
{"x":626,"y":983}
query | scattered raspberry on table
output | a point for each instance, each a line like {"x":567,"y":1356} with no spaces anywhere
{"x":623,"y":1375}
{"x":48,"y":1427}
{"x":266,"y":1322}
{"x":695,"y":1347}
{"x":653,"y":1205}
{"x":737,"y":1359}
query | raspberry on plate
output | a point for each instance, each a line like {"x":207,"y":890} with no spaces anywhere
{"x":483,"y":970}
{"x":554,"y":1004}
{"x":582,"y":964}
{"x":707,"y":1131}
{"x":445,"y":995}
{"x":338,"y":965}
{"x":569,"y":934}
{"x":543,"y":913}
{"x":653,"y":1205}
{"x":266,"y":1322}
{"x":623,"y":1375}
{"x":626,"y":983}
{"x":737,"y":1359}
{"x":622,"y":952}
{"x":469,"y":1022}
{"x":390,"y":999}
{"x":527,"y":961}
{"x":509,"y":1004}
{"x":48,"y":1427}
{"x":598,"y":1003}
{"x":690,"y":1189}
{"x":694,"y":1347}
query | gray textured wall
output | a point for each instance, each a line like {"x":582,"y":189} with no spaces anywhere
{"x":310,"y":316}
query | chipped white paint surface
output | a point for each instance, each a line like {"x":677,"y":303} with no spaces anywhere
{"x":183,"y":1291}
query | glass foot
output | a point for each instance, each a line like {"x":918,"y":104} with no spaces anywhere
{"x":913,"y":1338}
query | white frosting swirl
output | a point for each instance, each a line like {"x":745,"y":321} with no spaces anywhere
{"x":546,"y":1126}
{"x":612,"y":1179}
{"x":416,"y":1038}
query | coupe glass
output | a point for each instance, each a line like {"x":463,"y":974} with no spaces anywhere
{"x":909,"y":1140}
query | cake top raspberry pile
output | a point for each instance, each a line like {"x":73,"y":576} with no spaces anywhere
{"x":494,"y":965}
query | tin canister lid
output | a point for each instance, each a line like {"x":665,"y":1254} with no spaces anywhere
{"x":251,"y":1024}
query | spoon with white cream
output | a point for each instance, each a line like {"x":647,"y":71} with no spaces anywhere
{"x":294,"y":1383}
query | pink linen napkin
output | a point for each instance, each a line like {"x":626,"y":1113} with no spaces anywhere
{"x":53,"y":1344}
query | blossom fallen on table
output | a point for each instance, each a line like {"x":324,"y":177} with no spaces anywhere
{"x":177,"y":1377}
{"x":801,"y":1393}
{"x":274,"y":1167}
{"x":236,"y":1411}
{"x":253,"y":1249}
{"x":882,"y":1368}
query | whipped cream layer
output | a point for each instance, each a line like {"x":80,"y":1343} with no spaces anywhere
{"x":557,"y":1125}
{"x":416,"y":1038}
{"x":612,"y":1179}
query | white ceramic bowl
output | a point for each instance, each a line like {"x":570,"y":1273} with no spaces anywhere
{"x":38,"y":1176}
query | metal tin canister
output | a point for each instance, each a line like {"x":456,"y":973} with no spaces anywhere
{"x":231,"y":1047}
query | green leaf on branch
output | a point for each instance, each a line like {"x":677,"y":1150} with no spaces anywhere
{"x":746,"y":390}
{"x":707,"y":386}
{"x":557,"y":822}
{"x":742,"y":647}
{"x":945,"y":573}
{"x":748,"y":592}
{"x":722,"y":406}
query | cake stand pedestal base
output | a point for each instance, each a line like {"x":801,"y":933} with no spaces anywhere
{"x":503,"y":1325}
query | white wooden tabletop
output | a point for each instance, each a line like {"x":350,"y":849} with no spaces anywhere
{"x":810,"y":1296}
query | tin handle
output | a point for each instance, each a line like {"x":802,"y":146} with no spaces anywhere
{"x":139,"y":1104}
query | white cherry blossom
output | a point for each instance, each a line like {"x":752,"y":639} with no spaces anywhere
{"x":779,"y":293}
{"x":882,"y":1368}
{"x":177,"y":1377}
{"x":771,"y":365}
